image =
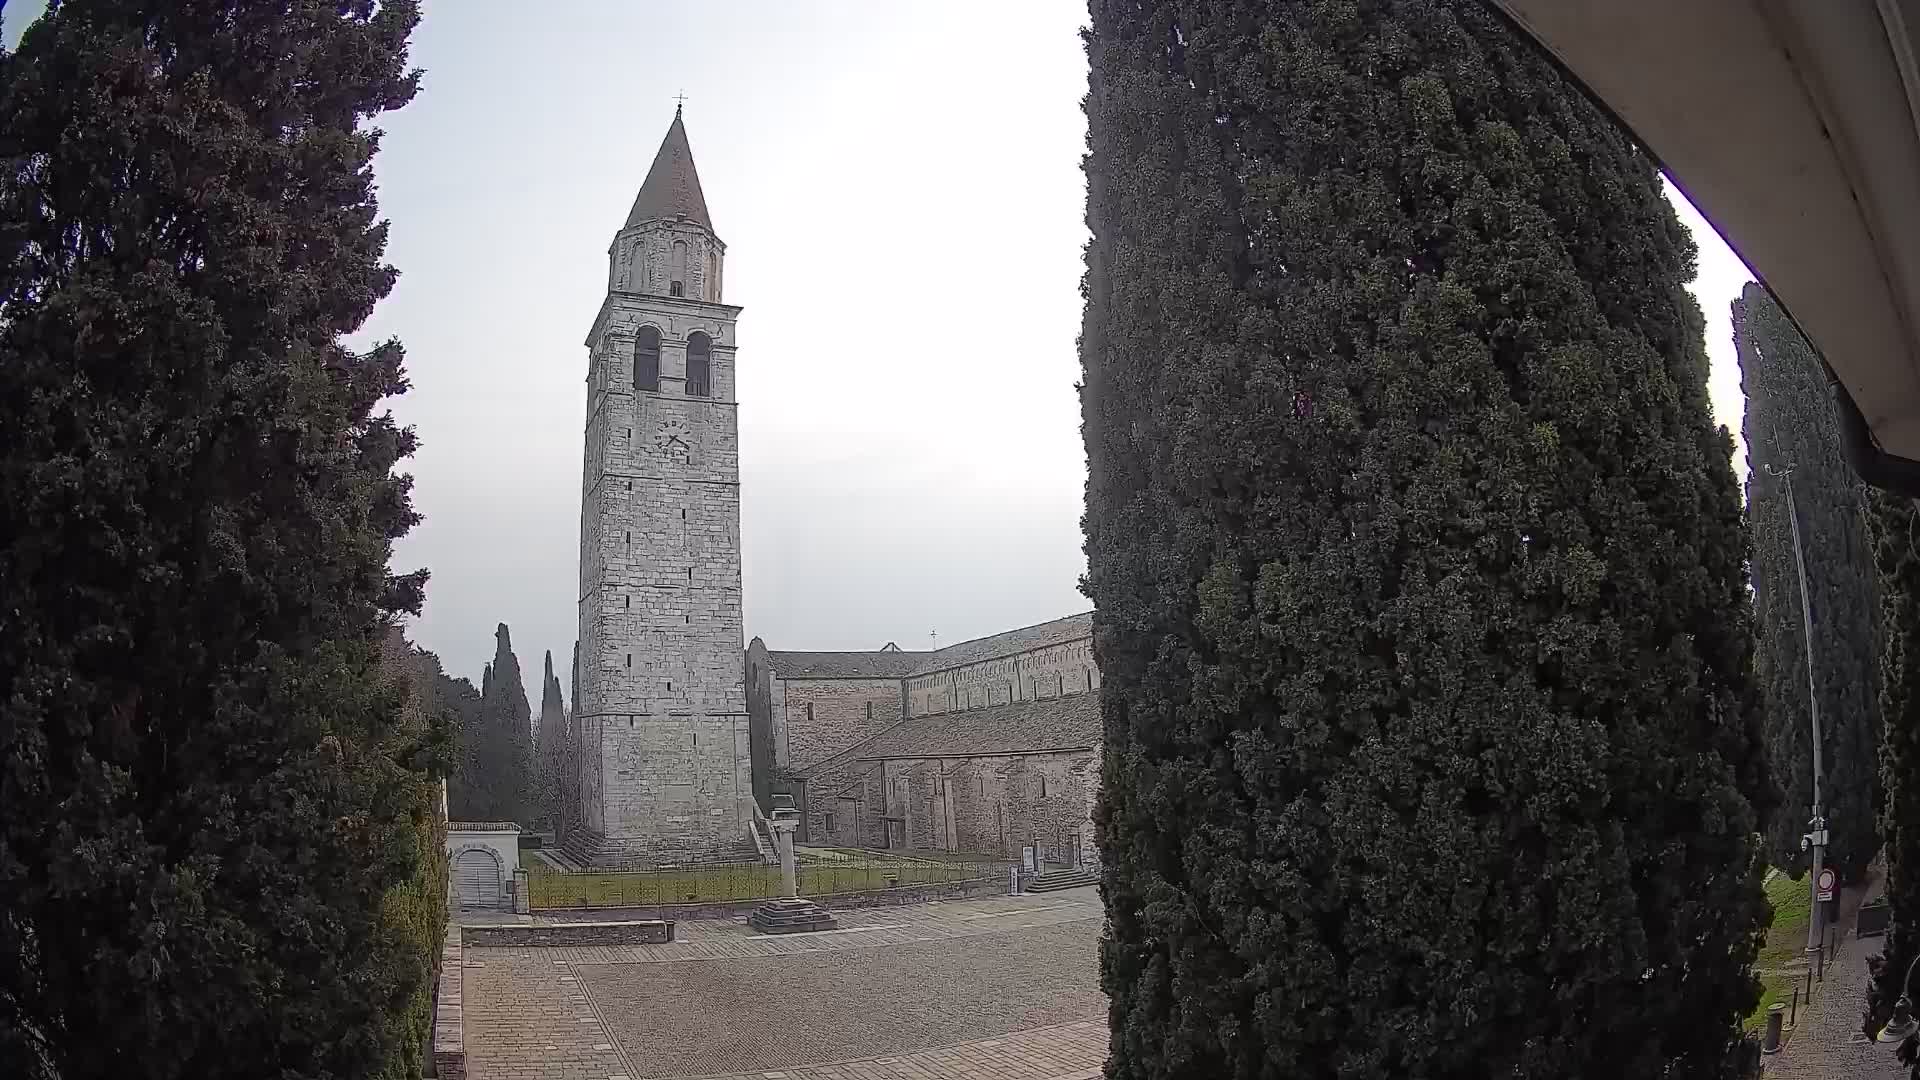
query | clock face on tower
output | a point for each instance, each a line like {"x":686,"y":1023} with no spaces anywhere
{"x":672,"y":435}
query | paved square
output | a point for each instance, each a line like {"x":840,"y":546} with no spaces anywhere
{"x":731,"y":1017}
{"x":1005,"y":988}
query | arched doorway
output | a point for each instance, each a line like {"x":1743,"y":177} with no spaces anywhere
{"x":476,"y":880}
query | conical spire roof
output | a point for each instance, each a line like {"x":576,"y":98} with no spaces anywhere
{"x":672,"y":186}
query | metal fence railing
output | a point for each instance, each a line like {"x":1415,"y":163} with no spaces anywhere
{"x":822,"y":872}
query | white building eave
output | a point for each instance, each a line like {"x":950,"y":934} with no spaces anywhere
{"x":1791,"y":125}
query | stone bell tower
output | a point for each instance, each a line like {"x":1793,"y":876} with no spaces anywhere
{"x":661,"y":715}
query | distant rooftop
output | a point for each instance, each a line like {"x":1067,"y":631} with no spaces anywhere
{"x":1040,"y":635}
{"x":1059,"y":723}
{"x":879,"y":664}
{"x":892,"y":662}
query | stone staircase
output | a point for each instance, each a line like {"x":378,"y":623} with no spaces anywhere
{"x":1055,"y":880}
{"x":791,"y":915}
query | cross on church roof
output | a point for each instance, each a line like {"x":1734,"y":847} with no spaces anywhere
{"x":679,"y":99}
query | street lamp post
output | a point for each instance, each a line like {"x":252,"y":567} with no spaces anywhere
{"x":1815,"y":840}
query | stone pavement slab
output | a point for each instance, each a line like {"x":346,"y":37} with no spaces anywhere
{"x":956,"y":990}
{"x":1062,"y":1052}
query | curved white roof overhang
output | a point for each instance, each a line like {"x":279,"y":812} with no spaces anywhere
{"x":1794,"y":127}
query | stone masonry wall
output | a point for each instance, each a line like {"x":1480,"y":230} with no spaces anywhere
{"x":667,"y":767}
{"x":994,"y":805}
{"x":815,"y":719}
{"x":1029,"y":676}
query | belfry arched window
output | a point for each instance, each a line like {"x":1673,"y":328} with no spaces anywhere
{"x":699,"y":365}
{"x":646,"y":359}
{"x":677,"y":270}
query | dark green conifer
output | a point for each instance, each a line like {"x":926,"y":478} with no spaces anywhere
{"x":1431,"y":738}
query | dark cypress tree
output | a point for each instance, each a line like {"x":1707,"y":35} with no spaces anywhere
{"x":570,"y":809}
{"x":1896,"y":536}
{"x":1790,"y":422}
{"x":211,"y":785}
{"x":550,"y":749}
{"x":468,"y":796}
{"x":505,"y":751}
{"x":1417,"y":559}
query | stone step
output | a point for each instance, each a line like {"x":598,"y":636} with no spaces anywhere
{"x":1054,"y":880}
{"x":791,"y":916}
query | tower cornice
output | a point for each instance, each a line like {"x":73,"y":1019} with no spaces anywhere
{"x":666,"y":305}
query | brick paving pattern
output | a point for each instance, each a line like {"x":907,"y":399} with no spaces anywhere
{"x":1000,"y":987}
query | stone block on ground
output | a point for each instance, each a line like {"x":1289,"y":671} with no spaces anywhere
{"x":791,"y":915}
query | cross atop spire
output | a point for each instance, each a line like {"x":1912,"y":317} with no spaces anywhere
{"x":672,"y":186}
{"x":679,"y":99}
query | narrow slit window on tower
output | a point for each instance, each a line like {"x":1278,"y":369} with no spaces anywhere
{"x":869,"y":712}
{"x":677,"y":269}
{"x":628,"y":601}
{"x":699,"y":365}
{"x":646,"y":359}
{"x":809,"y":712}
{"x":629,"y":659}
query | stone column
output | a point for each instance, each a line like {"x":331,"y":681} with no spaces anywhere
{"x":788,"y":913}
{"x":783,"y":829}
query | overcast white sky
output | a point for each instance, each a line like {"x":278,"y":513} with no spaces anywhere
{"x":904,"y":234}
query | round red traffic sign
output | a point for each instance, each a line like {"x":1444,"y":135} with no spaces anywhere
{"x":1824,"y":884}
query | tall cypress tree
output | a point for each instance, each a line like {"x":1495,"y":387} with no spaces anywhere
{"x":550,"y":749}
{"x":1430,"y":735}
{"x":570,"y":808}
{"x":1790,"y":423}
{"x":504,"y":757}
{"x":468,"y":796}
{"x":211,"y":784}
{"x":1896,"y":536}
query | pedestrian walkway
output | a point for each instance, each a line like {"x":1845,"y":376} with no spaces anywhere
{"x":1826,"y":1042}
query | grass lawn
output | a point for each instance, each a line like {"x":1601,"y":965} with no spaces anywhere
{"x":547,"y":888}
{"x":1785,"y":946}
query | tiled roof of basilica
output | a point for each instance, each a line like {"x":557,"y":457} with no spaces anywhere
{"x":885,"y":664}
{"x":1071,"y":628}
{"x":1058,"y":723}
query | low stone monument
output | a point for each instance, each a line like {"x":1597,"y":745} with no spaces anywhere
{"x":788,"y":913}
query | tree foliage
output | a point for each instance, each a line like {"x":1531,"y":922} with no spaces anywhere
{"x":1431,"y":743}
{"x":1896,"y":542}
{"x":1790,"y":423}
{"x":496,"y":751}
{"x":212,"y":790}
{"x":549,"y":750}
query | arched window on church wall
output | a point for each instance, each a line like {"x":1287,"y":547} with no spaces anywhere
{"x":677,"y":270}
{"x":699,"y":366}
{"x":713,"y":277}
{"x":646,"y":359}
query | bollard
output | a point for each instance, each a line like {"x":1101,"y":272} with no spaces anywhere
{"x":1793,"y":1018}
{"x":1776,"y":1012}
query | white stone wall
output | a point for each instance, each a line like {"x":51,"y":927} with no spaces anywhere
{"x":1049,"y":671}
{"x":665,"y":766}
{"x":641,"y":260}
